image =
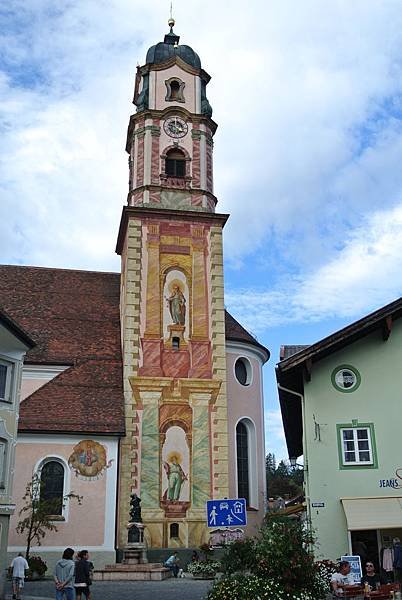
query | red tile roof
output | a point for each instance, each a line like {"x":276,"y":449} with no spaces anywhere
{"x":73,"y":316}
{"x":236,"y":332}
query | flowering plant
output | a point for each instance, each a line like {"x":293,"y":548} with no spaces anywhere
{"x":37,"y":565}
{"x":255,"y":587}
{"x":204,"y":568}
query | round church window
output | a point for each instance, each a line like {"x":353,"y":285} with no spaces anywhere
{"x":243,"y":371}
{"x":345,"y":378}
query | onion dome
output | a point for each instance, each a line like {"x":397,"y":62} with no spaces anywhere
{"x":163,"y":51}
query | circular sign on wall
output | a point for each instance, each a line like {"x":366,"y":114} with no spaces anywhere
{"x":345,"y":378}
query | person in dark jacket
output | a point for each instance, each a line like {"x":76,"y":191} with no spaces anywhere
{"x":82,"y":575}
{"x":64,"y":576}
{"x":397,"y":559}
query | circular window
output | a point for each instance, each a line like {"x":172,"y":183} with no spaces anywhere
{"x":243,"y":371}
{"x":345,"y":378}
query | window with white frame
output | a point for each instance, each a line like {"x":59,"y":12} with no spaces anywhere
{"x":5,"y":380}
{"x":356,"y":446}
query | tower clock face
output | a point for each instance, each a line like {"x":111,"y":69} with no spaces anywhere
{"x":175,"y":127}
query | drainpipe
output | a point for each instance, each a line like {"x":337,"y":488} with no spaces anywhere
{"x":305,"y":457}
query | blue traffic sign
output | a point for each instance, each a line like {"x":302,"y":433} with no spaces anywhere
{"x":226,"y":513}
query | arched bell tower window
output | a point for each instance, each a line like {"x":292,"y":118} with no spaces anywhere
{"x":174,"y":90}
{"x":52,"y":485}
{"x":175,"y":163}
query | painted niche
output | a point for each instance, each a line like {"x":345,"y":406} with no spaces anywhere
{"x":175,"y":308}
{"x":175,"y":466}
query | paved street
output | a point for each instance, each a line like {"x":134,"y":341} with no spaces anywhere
{"x":171,"y":589}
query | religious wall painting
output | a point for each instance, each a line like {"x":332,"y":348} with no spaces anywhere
{"x":175,"y":475}
{"x":89,"y":460}
{"x":175,"y":308}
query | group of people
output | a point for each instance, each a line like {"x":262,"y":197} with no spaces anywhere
{"x":343,"y":580}
{"x":72,"y":578}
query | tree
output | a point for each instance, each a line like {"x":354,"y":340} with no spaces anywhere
{"x":282,"y":480}
{"x":36,"y":514}
{"x":270,"y":463}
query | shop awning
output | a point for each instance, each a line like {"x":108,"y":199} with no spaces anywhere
{"x":373,"y":513}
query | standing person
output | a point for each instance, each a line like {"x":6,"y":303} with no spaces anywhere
{"x":82,"y":575}
{"x":17,"y":568}
{"x":397,"y":559}
{"x":64,"y":576}
{"x":172,"y":563}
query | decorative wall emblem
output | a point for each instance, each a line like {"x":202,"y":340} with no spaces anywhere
{"x":89,"y":460}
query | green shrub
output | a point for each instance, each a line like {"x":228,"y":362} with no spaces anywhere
{"x":278,"y":563}
{"x":37,"y":565}
{"x":239,"y":557}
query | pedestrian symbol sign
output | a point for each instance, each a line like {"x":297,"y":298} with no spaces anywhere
{"x":226,"y":513}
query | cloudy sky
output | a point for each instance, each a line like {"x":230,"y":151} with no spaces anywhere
{"x":308,"y":154}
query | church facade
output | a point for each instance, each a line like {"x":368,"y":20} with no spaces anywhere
{"x":141,"y":382}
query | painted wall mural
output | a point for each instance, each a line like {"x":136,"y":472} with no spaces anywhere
{"x":88,"y":460}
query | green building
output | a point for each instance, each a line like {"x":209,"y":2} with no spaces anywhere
{"x":341,"y":403}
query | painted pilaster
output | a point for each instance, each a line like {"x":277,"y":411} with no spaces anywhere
{"x":200,"y":309}
{"x":130,"y":345}
{"x":201,"y":472}
{"x":220,"y":441}
{"x":150,"y":463}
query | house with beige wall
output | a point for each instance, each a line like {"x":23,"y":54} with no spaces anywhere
{"x":341,"y":404}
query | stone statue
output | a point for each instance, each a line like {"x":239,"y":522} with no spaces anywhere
{"x":135,"y":510}
{"x":177,"y":306}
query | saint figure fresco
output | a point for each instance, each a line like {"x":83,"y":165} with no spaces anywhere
{"x":177,"y":305}
{"x":175,"y":476}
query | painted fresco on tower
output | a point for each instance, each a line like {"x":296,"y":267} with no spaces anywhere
{"x":176,"y":306}
{"x":175,"y":467}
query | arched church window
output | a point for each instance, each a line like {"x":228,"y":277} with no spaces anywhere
{"x":52,"y":485}
{"x":175,"y":163}
{"x":174,"y":530}
{"x":243,"y":487}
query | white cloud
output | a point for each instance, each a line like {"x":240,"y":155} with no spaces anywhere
{"x":294,"y":88}
{"x":361,"y":276}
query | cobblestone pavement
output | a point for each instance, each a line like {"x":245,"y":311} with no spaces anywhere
{"x":170,"y":589}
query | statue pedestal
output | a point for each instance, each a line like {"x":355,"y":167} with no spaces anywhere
{"x":136,"y":550}
{"x":176,"y":336}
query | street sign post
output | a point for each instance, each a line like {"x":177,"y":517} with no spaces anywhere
{"x":226,"y":513}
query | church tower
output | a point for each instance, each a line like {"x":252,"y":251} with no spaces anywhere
{"x":175,"y":451}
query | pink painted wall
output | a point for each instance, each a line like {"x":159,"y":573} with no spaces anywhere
{"x":246,"y":401}
{"x":85,"y":523}
{"x":189,"y":90}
